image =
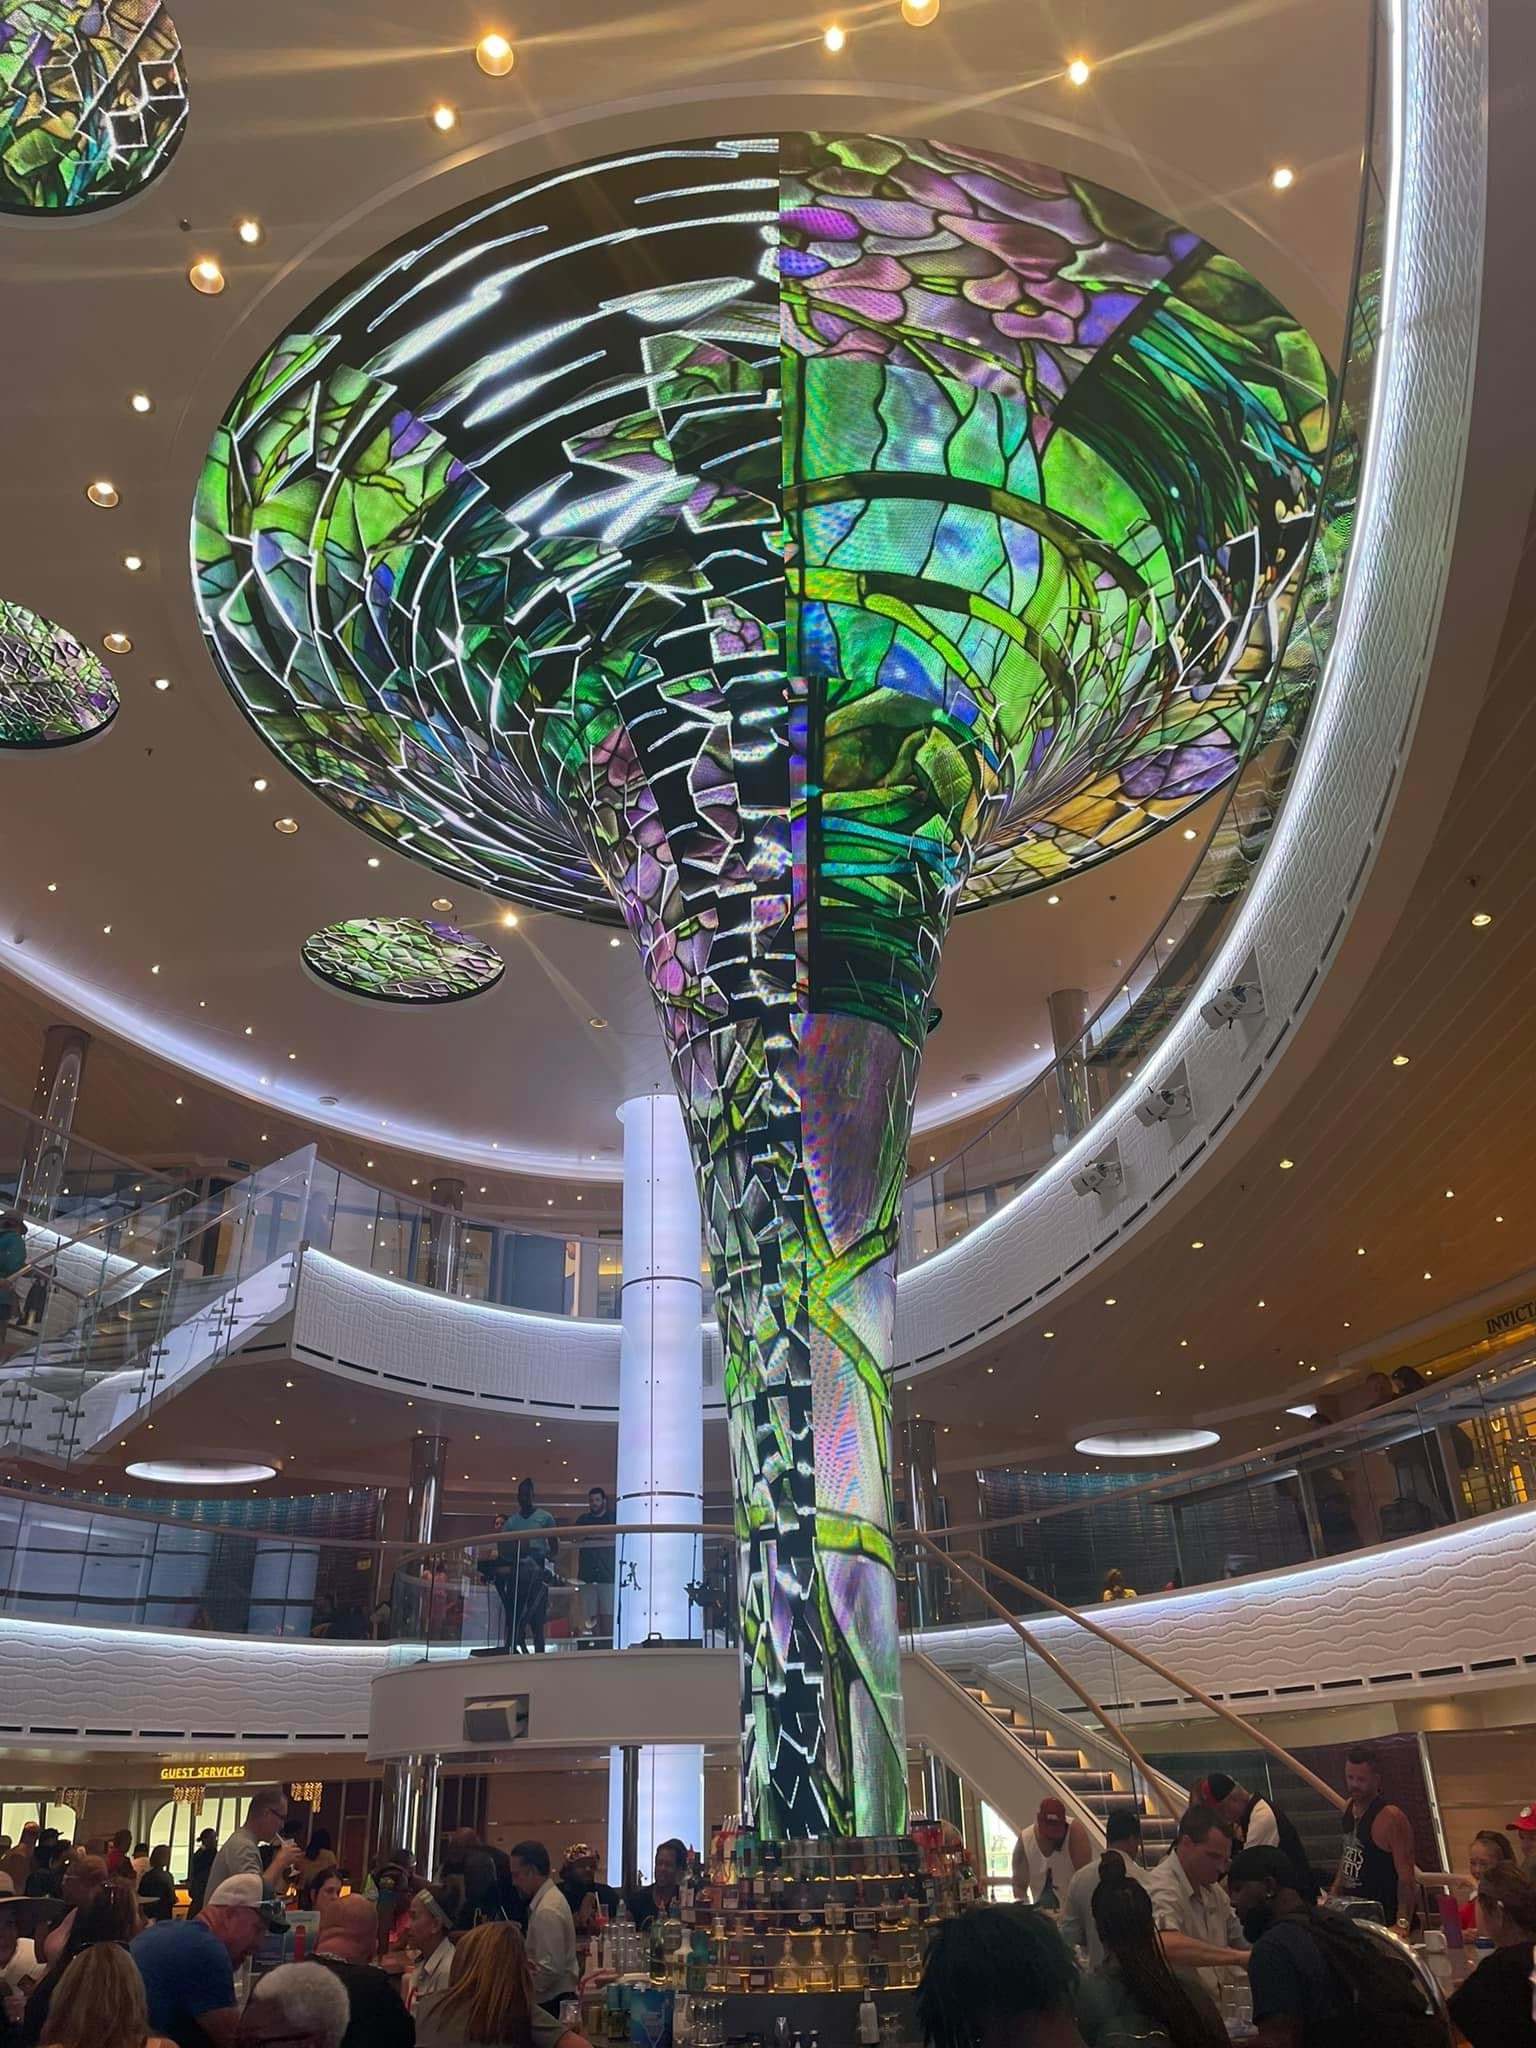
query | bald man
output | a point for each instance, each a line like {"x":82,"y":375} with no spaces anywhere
{"x":348,"y":1943}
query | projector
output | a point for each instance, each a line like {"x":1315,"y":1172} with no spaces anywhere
{"x":1097,"y":1176}
{"x":1242,"y":999}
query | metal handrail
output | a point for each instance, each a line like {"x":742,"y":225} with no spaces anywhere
{"x":1134,"y":1756}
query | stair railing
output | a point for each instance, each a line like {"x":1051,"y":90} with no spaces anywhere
{"x":1141,"y":1771}
{"x":1183,"y":1685}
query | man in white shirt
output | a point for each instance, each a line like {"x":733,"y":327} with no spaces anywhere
{"x":1190,"y":1907}
{"x":1046,"y":1855}
{"x":427,"y":1927}
{"x":1077,"y":1927}
{"x":550,"y":1936}
{"x":264,"y":1821}
{"x":1258,"y":1824}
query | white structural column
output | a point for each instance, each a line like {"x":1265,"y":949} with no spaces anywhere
{"x":661,"y":1444}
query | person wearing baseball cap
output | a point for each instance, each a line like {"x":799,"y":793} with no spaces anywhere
{"x":1047,"y":1853}
{"x":188,"y":1966}
{"x":1524,"y":1823}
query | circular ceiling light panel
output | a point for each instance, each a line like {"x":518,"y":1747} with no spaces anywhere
{"x":54,"y":691}
{"x":194,"y":1472}
{"x":411,"y":961}
{"x":93,"y":102}
{"x":1008,"y":449}
{"x":1146,"y":1443}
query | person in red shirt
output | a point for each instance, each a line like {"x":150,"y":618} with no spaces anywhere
{"x":119,"y":1858}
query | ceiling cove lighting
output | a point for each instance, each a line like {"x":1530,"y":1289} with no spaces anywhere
{"x":1146,"y":1443}
{"x":192,"y":1472}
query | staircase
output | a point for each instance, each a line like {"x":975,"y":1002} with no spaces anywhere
{"x":1098,"y":1790}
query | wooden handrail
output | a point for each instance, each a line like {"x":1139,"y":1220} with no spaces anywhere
{"x":1335,"y":1799}
{"x":1137,"y":1760}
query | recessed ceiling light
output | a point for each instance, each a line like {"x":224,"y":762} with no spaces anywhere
{"x":1359,"y":1251}
{"x":1286,"y":1165}
{"x":285,"y":825}
{"x":1110,"y":1300}
{"x":141,"y":401}
{"x":259,"y":784}
{"x":187,"y":1472}
{"x":1427,"y":1274}
{"x":1053,"y":899}
{"x":1399,"y":1059}
{"x":834,"y":37}
{"x":919,"y":13}
{"x":1189,"y":832}
{"x":1049,"y":1333}
{"x":249,"y":229}
{"x":117,"y":643}
{"x":249,"y":1029}
{"x":102,"y":493}
{"x":162,"y":683}
{"x":53,"y":888}
{"x":1282,"y":177}
{"x":367,"y":1162}
{"x":1137,"y":1443}
{"x":1481,"y":918}
{"x":178,"y":1102}
{"x":156,"y":968}
{"x":293,"y":1055}
{"x":443,"y":117}
{"x":414,"y":1182}
{"x":206,"y":277}
{"x":1498,"y":1219}
{"x":1079,"y":72}
{"x":133,"y":563}
{"x":598,"y":1023}
{"x":509,"y":919}
{"x":495,"y":55}
{"x":615,"y":942}
{"x":107,"y":928}
{"x":1197,"y":1244}
{"x":1450,"y":1194}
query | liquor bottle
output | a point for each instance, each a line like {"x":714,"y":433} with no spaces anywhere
{"x":786,"y":1977}
{"x":850,"y":1971}
{"x":658,"y":1951}
{"x":878,"y":1970}
{"x":818,"y":1971}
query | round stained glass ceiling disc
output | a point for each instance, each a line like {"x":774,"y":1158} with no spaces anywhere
{"x":53,"y":691}
{"x":410,"y":960}
{"x":93,"y":102}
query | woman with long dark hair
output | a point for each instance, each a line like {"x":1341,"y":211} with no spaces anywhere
{"x":1136,"y":1997}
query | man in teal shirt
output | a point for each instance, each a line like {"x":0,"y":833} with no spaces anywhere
{"x":525,"y":1589}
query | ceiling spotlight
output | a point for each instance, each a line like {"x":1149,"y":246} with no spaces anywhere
{"x":285,"y":825}
{"x":1078,"y":72}
{"x":156,"y":968}
{"x":1053,"y":899}
{"x":373,"y":860}
{"x":495,"y":55}
{"x":834,"y":38}
{"x":53,"y":888}
{"x":1399,"y":1059}
{"x":133,"y":563}
{"x":117,"y":643}
{"x":443,"y":118}
{"x":509,"y":919}
{"x":1286,"y":1165}
{"x":442,"y":903}
{"x":598,"y":1023}
{"x":259,"y":784}
{"x":1197,"y":1244}
{"x":249,"y":229}
{"x":103,"y":493}
{"x":107,"y":929}
{"x":1450,"y":1194}
{"x":141,"y":401}
{"x":1282,"y":177}
{"x":1481,"y":918}
{"x":206,"y":277}
{"x":615,"y":942}
{"x":1189,"y":832}
{"x":919,"y":13}
{"x":162,"y":683}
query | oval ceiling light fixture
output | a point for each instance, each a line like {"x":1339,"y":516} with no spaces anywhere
{"x":1481,"y":918}
{"x":443,"y":117}
{"x":1079,"y":71}
{"x":117,"y":643}
{"x":406,"y":960}
{"x":206,"y":277}
{"x":919,"y":13}
{"x":102,"y":493}
{"x":285,"y":825}
{"x":1146,"y":1443}
{"x":833,"y":37}
{"x":196,"y":1472}
{"x":495,"y":55}
{"x":54,"y":691}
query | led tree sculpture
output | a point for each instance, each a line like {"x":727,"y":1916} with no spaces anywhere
{"x":776,"y":545}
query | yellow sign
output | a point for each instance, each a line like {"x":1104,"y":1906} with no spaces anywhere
{"x":307,"y":1794}
{"x":181,"y":1774}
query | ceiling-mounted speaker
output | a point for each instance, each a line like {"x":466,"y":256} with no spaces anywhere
{"x":490,"y":1723}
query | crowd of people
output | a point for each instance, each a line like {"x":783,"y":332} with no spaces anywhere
{"x":1101,"y":1948}
{"x":1232,"y":1924}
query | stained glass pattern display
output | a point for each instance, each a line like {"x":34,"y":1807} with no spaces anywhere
{"x":410,"y":960}
{"x":93,"y":102}
{"x":54,"y":692}
{"x":780,"y":546}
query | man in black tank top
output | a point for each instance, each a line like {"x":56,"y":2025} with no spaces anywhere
{"x":1377,"y":1862}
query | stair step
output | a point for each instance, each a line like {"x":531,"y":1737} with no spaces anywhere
{"x":1089,"y":1781}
